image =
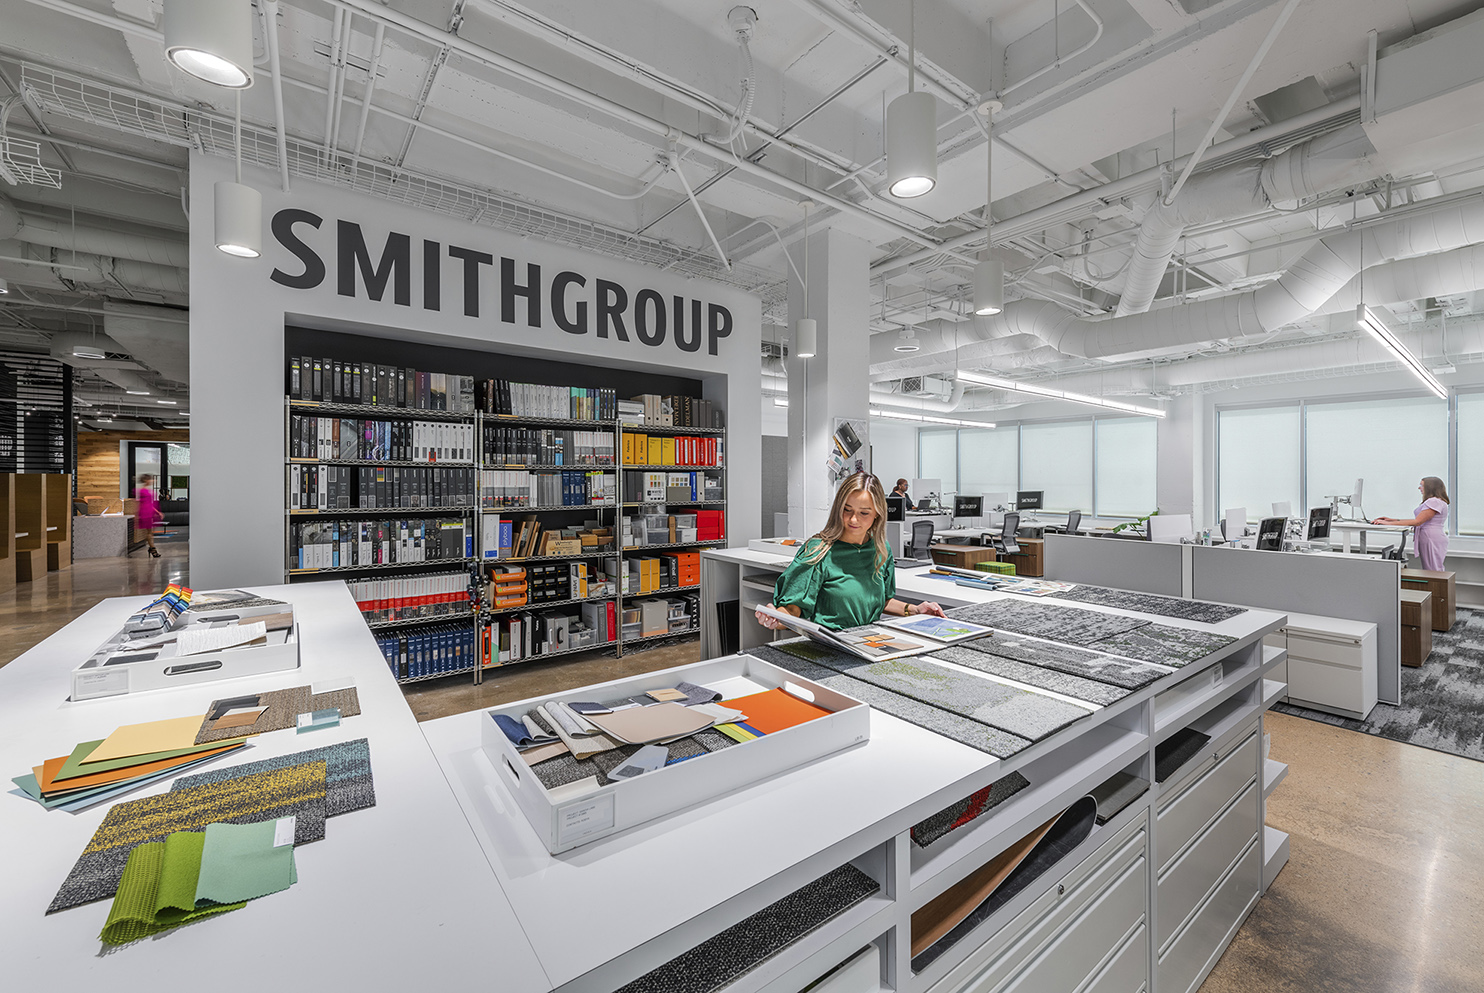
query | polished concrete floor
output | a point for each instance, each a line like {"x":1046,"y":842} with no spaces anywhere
{"x":1383,"y":893}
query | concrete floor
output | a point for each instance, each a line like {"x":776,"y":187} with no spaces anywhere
{"x":1384,"y":890}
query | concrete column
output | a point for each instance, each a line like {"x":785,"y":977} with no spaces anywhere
{"x":836,"y":382}
{"x":1180,"y":477}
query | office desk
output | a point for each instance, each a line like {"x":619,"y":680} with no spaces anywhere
{"x":962,"y":556}
{"x":1348,"y":528}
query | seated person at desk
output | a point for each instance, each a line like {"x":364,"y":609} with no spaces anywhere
{"x":845,"y":575}
{"x":1427,"y":523}
{"x":901,"y":490}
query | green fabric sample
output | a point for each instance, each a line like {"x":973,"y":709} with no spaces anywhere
{"x":844,"y":589}
{"x":74,"y":767}
{"x":158,"y":888}
{"x":240,"y":862}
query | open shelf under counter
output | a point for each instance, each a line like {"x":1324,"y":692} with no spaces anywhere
{"x":1275,"y":854}
{"x":377,"y":410}
{"x":1273,"y":773}
{"x":1176,"y":707}
{"x":1272,"y":691}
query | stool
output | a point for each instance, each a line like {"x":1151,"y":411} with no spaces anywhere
{"x":1416,"y":633}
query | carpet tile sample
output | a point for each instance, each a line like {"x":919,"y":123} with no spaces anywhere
{"x":1164,"y":645}
{"x":978,"y":736}
{"x":1021,"y":712}
{"x":720,"y":960}
{"x":1032,"y":675}
{"x":284,"y":708}
{"x":955,"y":816}
{"x":1069,"y":625}
{"x":1176,"y":750}
{"x":239,"y":862}
{"x":1127,"y":673}
{"x":566,"y":769}
{"x":1152,"y":603}
{"x":1117,"y":792}
{"x":158,"y":889}
{"x":298,"y":790}
{"x":348,"y":782}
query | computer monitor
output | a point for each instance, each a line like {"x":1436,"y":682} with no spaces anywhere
{"x":1234,"y":523}
{"x":926,"y":503}
{"x":966,"y":506}
{"x":1270,"y":534}
{"x":896,"y":508}
{"x":1319,"y":518}
{"x":1029,"y":499}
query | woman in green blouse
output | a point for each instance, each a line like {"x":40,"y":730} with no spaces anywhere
{"x":845,"y":575}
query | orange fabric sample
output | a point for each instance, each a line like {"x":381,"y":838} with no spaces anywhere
{"x":49,"y":769}
{"x":775,"y":710}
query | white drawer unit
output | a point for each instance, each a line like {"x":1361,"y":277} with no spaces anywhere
{"x":1128,"y":972}
{"x":1199,"y":803}
{"x":1331,"y":664}
{"x":1195,"y":950}
{"x":1193,"y":874}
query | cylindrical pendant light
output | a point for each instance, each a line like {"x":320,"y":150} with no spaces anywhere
{"x":989,"y":275}
{"x":238,"y":208}
{"x":211,"y":40}
{"x":806,"y":329}
{"x":912,"y":133}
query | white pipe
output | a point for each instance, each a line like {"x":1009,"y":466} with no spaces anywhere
{"x":1063,"y":60}
{"x":270,"y":12}
{"x":920,"y":405}
{"x":1226,"y":108}
{"x":335,"y":63}
{"x":680,"y":174}
{"x":355,"y":159}
{"x":332,"y":140}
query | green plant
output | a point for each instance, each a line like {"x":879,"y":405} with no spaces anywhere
{"x":1137,"y":522}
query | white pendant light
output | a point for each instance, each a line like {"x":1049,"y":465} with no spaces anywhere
{"x":806,"y":329}
{"x":211,"y":40}
{"x":1031,"y":389}
{"x":912,"y":133}
{"x":989,"y":275}
{"x":238,"y":209}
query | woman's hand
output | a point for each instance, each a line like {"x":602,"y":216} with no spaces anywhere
{"x":1384,"y":520}
{"x":771,"y":623}
{"x":926,"y":607}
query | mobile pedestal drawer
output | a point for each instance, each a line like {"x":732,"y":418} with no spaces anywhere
{"x":1198,"y":804}
{"x":1069,"y":931}
{"x":1193,"y":874}
{"x":1332,"y":664}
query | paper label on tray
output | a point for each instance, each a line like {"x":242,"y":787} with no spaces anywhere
{"x":585,"y":817}
{"x":109,"y":682}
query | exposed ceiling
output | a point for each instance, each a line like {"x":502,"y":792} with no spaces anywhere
{"x":557,"y":118}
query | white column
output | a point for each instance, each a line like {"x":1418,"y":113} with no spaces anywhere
{"x":1180,"y":478}
{"x":836,"y":381}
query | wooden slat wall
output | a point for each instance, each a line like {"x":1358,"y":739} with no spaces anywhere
{"x":98,"y":459}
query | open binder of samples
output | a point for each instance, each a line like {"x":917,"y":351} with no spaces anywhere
{"x":873,"y":642}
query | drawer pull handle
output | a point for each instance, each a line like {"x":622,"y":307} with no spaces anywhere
{"x":1061,"y":889}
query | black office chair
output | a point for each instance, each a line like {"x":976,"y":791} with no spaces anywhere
{"x":1397,"y":552}
{"x":1074,"y":521}
{"x":922,"y":539}
{"x":1005,"y":542}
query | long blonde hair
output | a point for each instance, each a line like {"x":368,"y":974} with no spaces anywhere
{"x":860,"y":482}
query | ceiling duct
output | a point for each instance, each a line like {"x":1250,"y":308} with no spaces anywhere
{"x":80,"y":348}
{"x":158,"y":337}
{"x":53,"y":233}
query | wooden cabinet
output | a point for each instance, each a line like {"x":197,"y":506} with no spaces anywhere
{"x":1032,"y":558}
{"x":1444,"y":595}
{"x":1416,"y":635}
{"x":962,"y":556}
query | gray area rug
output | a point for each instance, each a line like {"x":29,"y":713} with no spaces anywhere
{"x":1442,"y":704}
{"x":1164,"y":645}
{"x":1126,"y":673}
{"x":1034,"y":675}
{"x":1153,"y":603}
{"x":979,"y":736}
{"x":1068,"y":625}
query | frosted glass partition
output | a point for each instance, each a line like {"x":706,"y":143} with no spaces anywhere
{"x":937,"y":458}
{"x":1468,"y":502}
{"x":1057,"y":459}
{"x":988,"y":460}
{"x":1259,"y":461}
{"x":1391,"y":444}
{"x":1127,"y":450}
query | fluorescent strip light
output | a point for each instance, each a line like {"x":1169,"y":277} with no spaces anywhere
{"x":168,"y":403}
{"x":1367,"y":320}
{"x":929,"y":419}
{"x":1050,"y":394}
{"x":780,"y":401}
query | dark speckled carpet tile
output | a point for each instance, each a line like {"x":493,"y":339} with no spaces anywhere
{"x":719,"y":961}
{"x":1068,"y":625}
{"x":1442,"y":704}
{"x":1164,"y":645}
{"x":1153,"y":603}
{"x":798,"y":660}
{"x":1126,"y":673}
{"x":1032,"y":675}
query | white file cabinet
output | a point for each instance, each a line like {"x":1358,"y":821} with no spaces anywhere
{"x":1331,"y":663}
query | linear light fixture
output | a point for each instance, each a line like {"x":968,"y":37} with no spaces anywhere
{"x":1050,"y":394}
{"x":928,"y":419}
{"x":1367,"y":320}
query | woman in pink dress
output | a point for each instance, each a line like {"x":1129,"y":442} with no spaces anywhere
{"x":149,"y":512}
{"x":1427,"y":523}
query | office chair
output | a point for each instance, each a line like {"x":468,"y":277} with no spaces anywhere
{"x":922,"y":538}
{"x":1074,"y":521}
{"x":1397,"y":552}
{"x":1005,"y":543}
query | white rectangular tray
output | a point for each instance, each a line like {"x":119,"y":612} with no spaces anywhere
{"x":563,"y":821}
{"x":93,"y":680}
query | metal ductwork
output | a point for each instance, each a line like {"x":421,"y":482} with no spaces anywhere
{"x":85,"y":350}
{"x":129,"y":382}
{"x":51,"y":233}
{"x":1329,"y":162}
{"x":921,"y":405}
{"x":93,"y":270}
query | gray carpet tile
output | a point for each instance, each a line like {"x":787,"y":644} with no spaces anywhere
{"x":348,"y":782}
{"x":979,"y":736}
{"x":719,"y":961}
{"x":1442,"y":704}
{"x":565,"y":769}
{"x":1176,"y":750}
{"x":967,"y":810}
{"x":1153,"y":603}
{"x":1068,"y":625}
{"x":1127,"y":673}
{"x":1033,"y":675}
{"x":1164,"y":645}
{"x":1021,"y":712}
{"x":1116,"y":793}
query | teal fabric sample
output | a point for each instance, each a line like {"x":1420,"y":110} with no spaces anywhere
{"x":240,"y":862}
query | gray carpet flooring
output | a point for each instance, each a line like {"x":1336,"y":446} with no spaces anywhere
{"x":1442,"y":704}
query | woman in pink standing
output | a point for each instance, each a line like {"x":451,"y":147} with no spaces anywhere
{"x":149,"y":512}
{"x":1428,"y":523}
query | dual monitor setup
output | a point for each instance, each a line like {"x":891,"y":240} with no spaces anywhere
{"x":1272,"y":530}
{"x":968,"y":506}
